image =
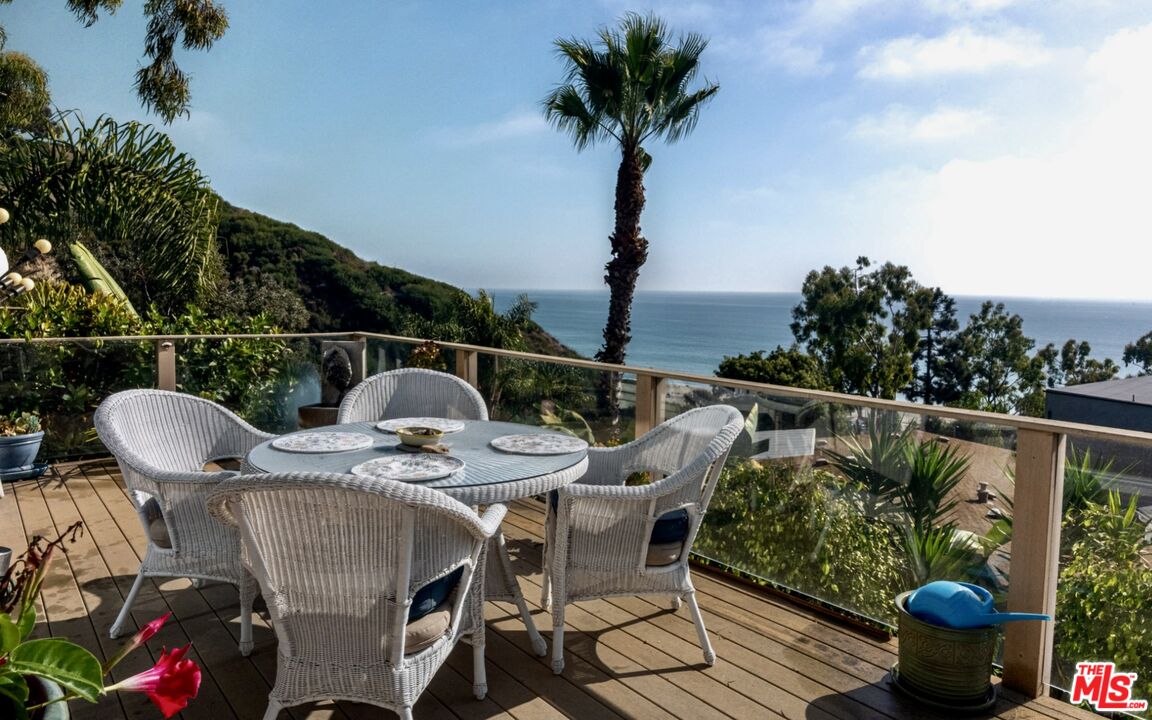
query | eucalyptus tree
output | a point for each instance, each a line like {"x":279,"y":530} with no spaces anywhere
{"x":858,"y":322}
{"x":629,"y":88}
{"x":143,"y":209}
{"x":1073,"y":364}
{"x":196,"y":24}
{"x":25,"y":103}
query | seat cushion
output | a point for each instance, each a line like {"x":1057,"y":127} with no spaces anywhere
{"x":157,"y":528}
{"x":158,"y":533}
{"x":671,"y":527}
{"x":432,"y":595}
{"x":423,"y":633}
{"x":663,"y":553}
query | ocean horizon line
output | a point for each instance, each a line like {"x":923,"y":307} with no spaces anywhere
{"x":604,"y":291}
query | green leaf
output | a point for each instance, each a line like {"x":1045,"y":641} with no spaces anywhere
{"x":13,"y":696}
{"x":64,"y":662}
{"x":27,"y":619}
{"x":9,"y":634}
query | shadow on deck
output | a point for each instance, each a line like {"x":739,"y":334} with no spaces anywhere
{"x":626,"y":657}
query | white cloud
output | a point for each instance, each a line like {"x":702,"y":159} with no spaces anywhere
{"x":1069,"y":223}
{"x":517,"y":125}
{"x":786,"y":51}
{"x":900,"y":124}
{"x":969,"y":8}
{"x":962,"y":50}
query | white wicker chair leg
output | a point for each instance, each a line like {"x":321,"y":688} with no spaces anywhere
{"x":405,"y":713}
{"x":118,"y":626}
{"x":197,"y":583}
{"x":546,"y":593}
{"x":273,"y":710}
{"x":248,"y":590}
{"x":479,"y":674}
{"x":558,"y":639}
{"x":674,"y":604}
{"x":701,"y":632}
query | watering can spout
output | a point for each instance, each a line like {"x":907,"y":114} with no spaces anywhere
{"x":998,"y":617}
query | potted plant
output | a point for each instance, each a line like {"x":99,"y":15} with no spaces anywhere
{"x":20,"y":438}
{"x":38,"y":677}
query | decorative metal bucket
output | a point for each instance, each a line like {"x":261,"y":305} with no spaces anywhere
{"x":945,"y":666}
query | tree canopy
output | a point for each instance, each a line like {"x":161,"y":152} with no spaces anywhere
{"x":25,"y":102}
{"x":194,"y":24}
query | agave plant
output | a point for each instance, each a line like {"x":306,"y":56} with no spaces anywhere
{"x":934,"y":471}
{"x":877,"y":470}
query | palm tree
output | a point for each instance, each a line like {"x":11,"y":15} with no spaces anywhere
{"x":630,"y":87}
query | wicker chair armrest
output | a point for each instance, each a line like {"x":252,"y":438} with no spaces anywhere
{"x":489,"y":522}
{"x":198,"y":478}
{"x":635,"y":492}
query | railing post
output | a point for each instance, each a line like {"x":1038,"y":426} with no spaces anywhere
{"x":650,"y":396}
{"x":165,"y":365}
{"x":1037,"y":509}
{"x":468,"y":366}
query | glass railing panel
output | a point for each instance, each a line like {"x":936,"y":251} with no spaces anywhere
{"x":263,"y":380}
{"x":850,"y":506}
{"x":1104,"y":593}
{"x":64,"y":382}
{"x":560,"y":396}
{"x":384,"y":355}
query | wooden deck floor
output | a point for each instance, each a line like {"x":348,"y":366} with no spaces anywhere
{"x":626,"y":658}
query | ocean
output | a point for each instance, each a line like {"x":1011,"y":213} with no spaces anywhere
{"x":693,"y":331}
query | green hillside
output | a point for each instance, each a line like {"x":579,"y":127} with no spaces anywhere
{"x":274,"y":266}
{"x":340,"y":291}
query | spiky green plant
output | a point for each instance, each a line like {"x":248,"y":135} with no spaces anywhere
{"x":934,"y":471}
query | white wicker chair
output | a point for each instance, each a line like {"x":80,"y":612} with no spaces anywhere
{"x":412,"y":392}
{"x":601,"y":537}
{"x":162,"y":441}
{"x":341,"y":561}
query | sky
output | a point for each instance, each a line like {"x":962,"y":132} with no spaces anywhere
{"x":995,"y":147}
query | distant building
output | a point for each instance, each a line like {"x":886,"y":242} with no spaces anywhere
{"x":1126,"y":404}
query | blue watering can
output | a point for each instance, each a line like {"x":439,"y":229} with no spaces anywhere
{"x":960,"y":605}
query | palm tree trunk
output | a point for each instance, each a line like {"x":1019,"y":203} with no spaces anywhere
{"x":629,"y":251}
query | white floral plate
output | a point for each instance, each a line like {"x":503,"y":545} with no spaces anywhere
{"x":444,"y":425}
{"x":409,"y":468}
{"x":539,"y":444}
{"x":323,"y":442}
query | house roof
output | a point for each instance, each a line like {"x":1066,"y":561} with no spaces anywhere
{"x":1129,"y":390}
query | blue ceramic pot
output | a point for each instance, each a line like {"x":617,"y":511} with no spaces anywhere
{"x":39,"y":691}
{"x":18,"y":452}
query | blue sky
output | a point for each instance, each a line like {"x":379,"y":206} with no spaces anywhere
{"x":996,"y":147}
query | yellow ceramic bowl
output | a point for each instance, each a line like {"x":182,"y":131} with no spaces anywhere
{"x":418,"y":436}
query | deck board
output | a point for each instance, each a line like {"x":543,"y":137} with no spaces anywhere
{"x":627,"y":657}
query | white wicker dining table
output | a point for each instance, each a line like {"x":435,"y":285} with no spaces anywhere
{"x":488,"y":476}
